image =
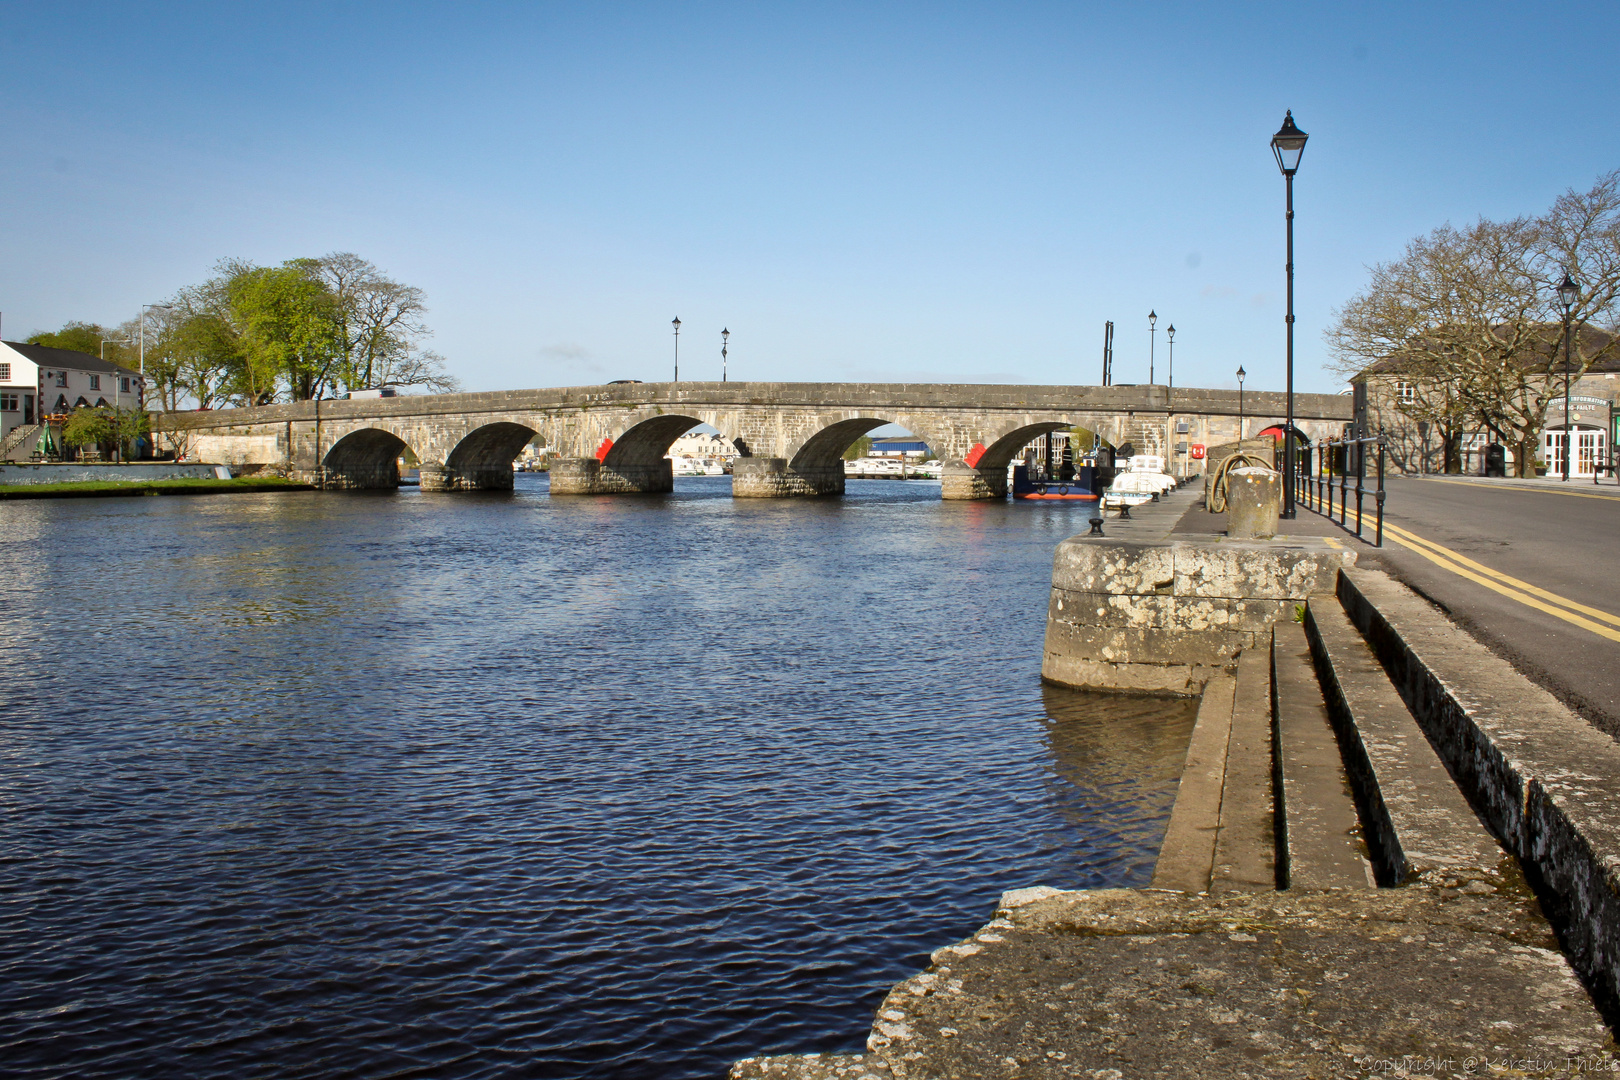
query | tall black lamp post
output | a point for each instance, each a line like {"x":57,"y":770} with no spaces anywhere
{"x":1170,"y":336}
{"x":1241,"y":374}
{"x":725,"y":337}
{"x":1569,"y":291}
{"x":676,"y":323}
{"x":1289,"y":145}
{"x":1152,"y":341}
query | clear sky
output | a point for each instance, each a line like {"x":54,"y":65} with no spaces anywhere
{"x":942,"y":192}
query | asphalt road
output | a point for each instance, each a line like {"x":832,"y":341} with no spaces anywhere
{"x":1553,"y":553}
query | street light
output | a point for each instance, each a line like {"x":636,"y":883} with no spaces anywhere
{"x":725,"y":337}
{"x":1170,"y":336}
{"x":676,"y":323}
{"x":1569,"y":291}
{"x":1241,"y":374}
{"x":1289,"y":145}
{"x":1152,"y":318}
{"x":141,"y":397}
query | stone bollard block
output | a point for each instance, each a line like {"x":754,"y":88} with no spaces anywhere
{"x":1253,"y":501}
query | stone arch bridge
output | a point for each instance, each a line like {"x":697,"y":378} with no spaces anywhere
{"x":792,"y":435}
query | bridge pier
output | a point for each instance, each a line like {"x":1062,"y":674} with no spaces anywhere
{"x":771,"y":478}
{"x":476,"y":478}
{"x":587,"y":476}
{"x":351,"y":478}
{"x":959,"y":480}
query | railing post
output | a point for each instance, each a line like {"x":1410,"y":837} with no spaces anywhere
{"x":1380,"y":490}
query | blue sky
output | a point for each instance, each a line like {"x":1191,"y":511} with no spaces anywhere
{"x":939,"y":192}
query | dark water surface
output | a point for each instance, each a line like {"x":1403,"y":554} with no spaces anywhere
{"x":399,"y":785}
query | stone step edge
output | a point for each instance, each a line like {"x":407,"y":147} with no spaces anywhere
{"x":1545,"y":781}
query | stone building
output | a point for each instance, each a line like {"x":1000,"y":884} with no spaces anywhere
{"x":1402,"y":405}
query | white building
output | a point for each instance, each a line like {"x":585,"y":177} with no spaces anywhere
{"x":703,"y":445}
{"x":38,"y":382}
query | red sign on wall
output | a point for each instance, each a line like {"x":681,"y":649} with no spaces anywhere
{"x":1198,"y":451}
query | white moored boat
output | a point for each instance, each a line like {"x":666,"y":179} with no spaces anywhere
{"x":1142,"y":478}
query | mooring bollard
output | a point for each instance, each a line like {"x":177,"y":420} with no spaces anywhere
{"x":1253,"y":502}
{"x":1096,"y":527}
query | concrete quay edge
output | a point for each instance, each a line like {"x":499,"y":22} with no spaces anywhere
{"x":1124,"y":982}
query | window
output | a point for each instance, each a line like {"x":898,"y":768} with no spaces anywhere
{"x":5,"y":372}
{"x":95,"y":382}
{"x":123,"y":384}
{"x":61,"y":378}
{"x":8,"y":402}
{"x":1405,"y":392}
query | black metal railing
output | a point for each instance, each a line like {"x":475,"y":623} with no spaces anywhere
{"x":1335,"y":463}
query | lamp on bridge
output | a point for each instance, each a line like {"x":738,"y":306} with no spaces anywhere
{"x":1288,"y":145}
{"x":1241,"y":373}
{"x":1153,"y":317}
{"x":1569,"y":291}
{"x":1170,"y":336}
{"x":676,"y":323}
{"x":725,"y":336}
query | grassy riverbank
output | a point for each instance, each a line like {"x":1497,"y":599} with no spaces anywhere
{"x":112,"y":488}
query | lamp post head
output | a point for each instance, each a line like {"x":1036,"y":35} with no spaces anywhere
{"x":1153,"y":317}
{"x":725,"y":336}
{"x":1569,"y":291}
{"x":676,"y":323}
{"x":1288,"y":145}
{"x":1170,"y":332}
{"x":1241,"y":374}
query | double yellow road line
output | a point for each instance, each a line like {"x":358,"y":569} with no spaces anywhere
{"x":1587,"y":618}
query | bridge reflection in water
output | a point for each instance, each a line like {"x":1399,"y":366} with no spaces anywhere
{"x":792,"y":435}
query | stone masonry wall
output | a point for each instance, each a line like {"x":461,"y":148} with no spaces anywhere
{"x":1164,"y":616}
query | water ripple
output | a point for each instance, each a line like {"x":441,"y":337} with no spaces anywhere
{"x":420,"y":786}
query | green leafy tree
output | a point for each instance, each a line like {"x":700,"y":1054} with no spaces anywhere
{"x":859,"y":448}
{"x":87,"y":427}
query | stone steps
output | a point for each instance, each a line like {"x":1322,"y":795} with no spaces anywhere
{"x":1419,"y":824}
{"x":22,"y":438}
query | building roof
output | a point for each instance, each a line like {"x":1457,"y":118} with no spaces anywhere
{"x":47,"y":357}
{"x":1594,"y":339}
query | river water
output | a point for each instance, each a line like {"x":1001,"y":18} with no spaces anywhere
{"x":319,"y":785}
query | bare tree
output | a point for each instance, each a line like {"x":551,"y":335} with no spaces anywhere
{"x":381,"y":327}
{"x":1470,"y":317}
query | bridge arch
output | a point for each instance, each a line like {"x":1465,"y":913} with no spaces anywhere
{"x":1000,"y":453}
{"x":366,"y":458}
{"x":481,"y":460}
{"x":825,"y":449}
{"x":643,"y":445}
